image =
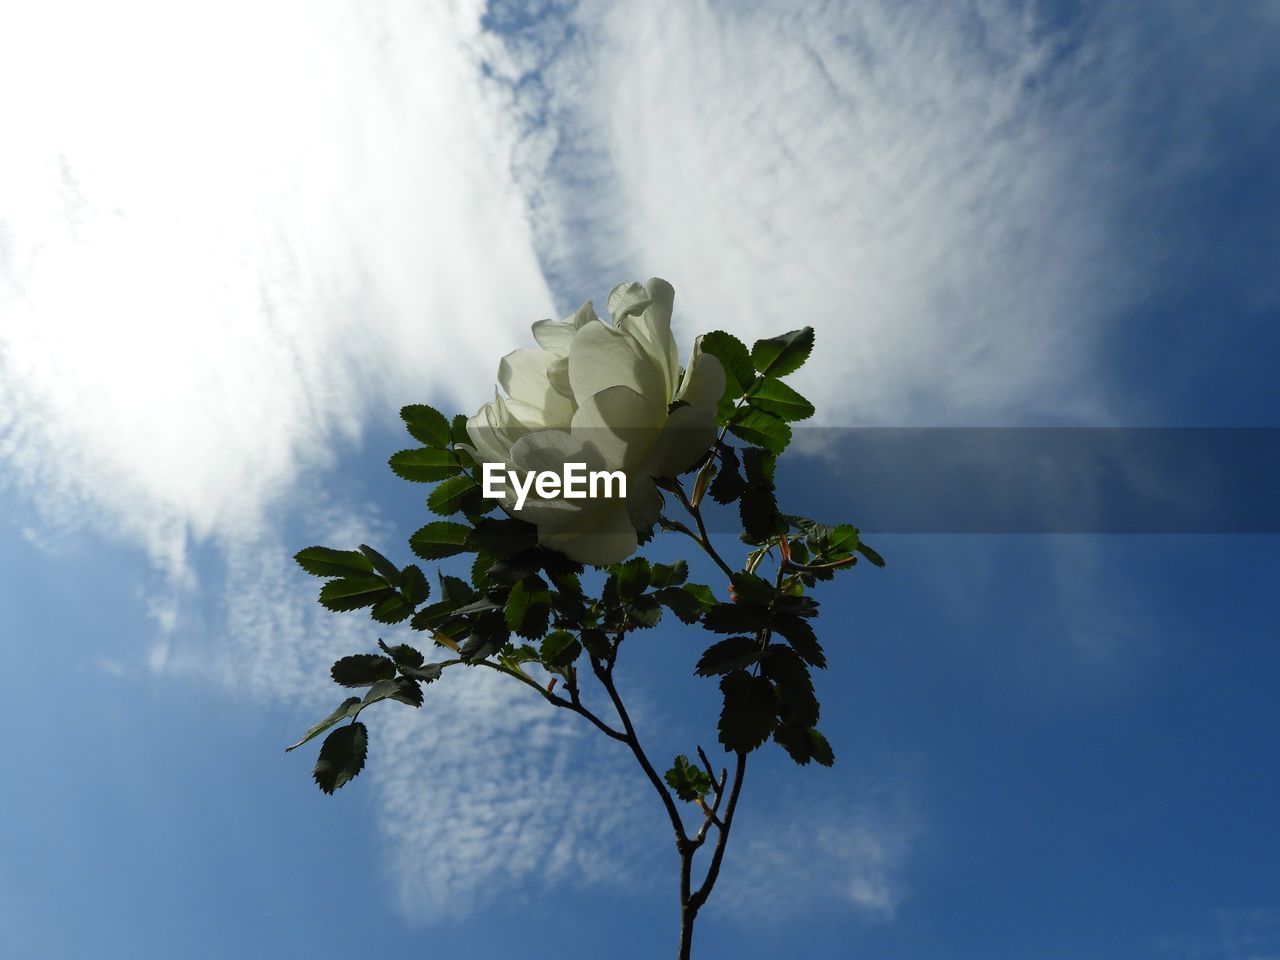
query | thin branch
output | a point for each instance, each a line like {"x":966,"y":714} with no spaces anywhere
{"x":697,"y":899}
{"x":633,"y":742}
{"x":574,"y":705}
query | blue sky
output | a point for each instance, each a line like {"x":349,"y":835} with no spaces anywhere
{"x":218,"y":286}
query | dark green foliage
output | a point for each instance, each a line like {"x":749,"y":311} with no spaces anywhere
{"x":796,"y":699}
{"x":453,"y":495}
{"x":664,"y":575}
{"x":800,"y":635}
{"x":353,"y":593}
{"x":762,"y":429}
{"x":440,"y":539}
{"x":427,"y":425}
{"x":804,"y":744}
{"x":502,"y":536}
{"x":739,"y":373}
{"x":776,"y":398}
{"x":732,"y":654}
{"x":392,"y":609}
{"x":735,"y":618}
{"x":728,"y":484}
{"x":342,"y":756}
{"x":688,"y":602}
{"x":348,"y":708}
{"x":750,"y":589}
{"x":689,"y":782}
{"x":782,"y":355}
{"x":528,"y":607}
{"x":425,"y":464}
{"x":403,"y":654}
{"x":748,"y":715}
{"x":362,"y":670}
{"x":559,"y":649}
{"x":325,"y":562}
{"x":413,"y":585}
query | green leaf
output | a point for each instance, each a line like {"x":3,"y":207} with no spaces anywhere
{"x":559,"y":648}
{"x":440,"y":539}
{"x":326,"y":562}
{"x":458,"y":429}
{"x":403,"y":654}
{"x":354,"y":593}
{"x":341,"y":713}
{"x":761,"y":429}
{"x":644,"y":612}
{"x":528,"y":607}
{"x":426,"y":424}
{"x":424,"y":464}
{"x":800,"y":635}
{"x":775,"y":397}
{"x":503,"y":537}
{"x":392,"y":609}
{"x":728,"y":484}
{"x":456,"y":591}
{"x":748,"y":588}
{"x":804,"y":744}
{"x":758,"y":509}
{"x":427,"y":673}
{"x":735,"y":618}
{"x":732,"y":654}
{"x":870,"y":554}
{"x":689,"y":782}
{"x":382,"y":690}
{"x":747,"y":717}
{"x":664,"y":575}
{"x":633,"y":578}
{"x":451,"y":495}
{"x":797,"y":702}
{"x":386,"y":569}
{"x":734,"y":357}
{"x":688,"y":602}
{"x":843,"y":539}
{"x":362,"y":670}
{"x":408,"y":692}
{"x":781,"y":355}
{"x":596,"y":643}
{"x":342,"y":757}
{"x":414,"y":585}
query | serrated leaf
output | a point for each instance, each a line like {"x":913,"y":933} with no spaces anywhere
{"x":728,"y":484}
{"x":775,"y":397}
{"x":403,"y":654}
{"x":735,"y":618}
{"x":392,"y":609}
{"x":424,"y":464}
{"x":414,"y":585}
{"x":761,"y":429}
{"x":804,"y":744}
{"x":870,"y":554}
{"x":632,"y":578}
{"x":734,"y":653}
{"x":689,"y":782}
{"x":559,"y":648}
{"x":797,"y":702}
{"x":747,"y":717}
{"x":450,"y":495}
{"x":596,"y":643}
{"x":489,"y":634}
{"x":784,"y":354}
{"x":409,"y":692}
{"x":440,"y":539}
{"x":458,"y":429}
{"x":353,"y":593}
{"x":386,"y":569}
{"x":528,"y":608}
{"x":749,"y":588}
{"x":382,"y":690}
{"x":688,"y":602}
{"x":327,"y":562}
{"x":821,"y":749}
{"x":342,"y":757}
{"x":644,"y":612}
{"x":664,"y":575}
{"x":842,"y":539}
{"x":426,"y":424}
{"x":362,"y":669}
{"x":341,"y":713}
{"x":758,"y":510}
{"x":503,"y":536}
{"x":427,"y":673}
{"x":734,"y":358}
{"x":800,"y":635}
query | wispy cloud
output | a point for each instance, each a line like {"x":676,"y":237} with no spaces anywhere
{"x":843,"y":850}
{"x":222,"y":251}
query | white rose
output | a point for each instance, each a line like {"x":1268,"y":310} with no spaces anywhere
{"x":599,"y":394}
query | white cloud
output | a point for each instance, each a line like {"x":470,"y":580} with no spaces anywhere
{"x":229,"y":235}
{"x":829,"y":851}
